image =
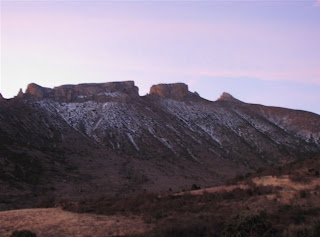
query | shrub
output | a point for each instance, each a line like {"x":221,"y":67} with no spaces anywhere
{"x":299,"y":232}
{"x":316,"y":229}
{"x":303,"y":194}
{"x":23,"y":233}
{"x":195,"y":187}
{"x":187,"y":225}
{"x":260,"y":170}
{"x":299,"y":178}
{"x":251,"y":225}
{"x":302,"y":231}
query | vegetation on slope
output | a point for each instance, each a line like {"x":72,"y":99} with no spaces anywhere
{"x":285,"y":203}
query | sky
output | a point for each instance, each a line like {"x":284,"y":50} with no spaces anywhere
{"x":264,"y":52}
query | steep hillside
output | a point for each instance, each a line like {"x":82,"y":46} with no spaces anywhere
{"x":183,"y":125}
{"x":77,"y":140}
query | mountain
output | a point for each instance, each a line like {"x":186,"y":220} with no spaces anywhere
{"x":88,"y":139}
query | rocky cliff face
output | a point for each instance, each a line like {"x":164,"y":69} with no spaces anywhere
{"x":101,"y":92}
{"x":227,"y":97}
{"x":20,"y":94}
{"x":176,"y":91}
{"x":38,"y":92}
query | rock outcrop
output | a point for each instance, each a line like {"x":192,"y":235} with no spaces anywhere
{"x":175,"y":91}
{"x":101,"y":92}
{"x":37,"y":91}
{"x":20,"y":94}
{"x":104,"y":92}
{"x":227,"y":97}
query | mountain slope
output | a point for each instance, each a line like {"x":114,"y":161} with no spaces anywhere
{"x":87,"y":139}
{"x":190,"y":127}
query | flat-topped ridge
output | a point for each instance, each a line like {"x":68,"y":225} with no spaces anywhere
{"x":82,"y":92}
{"x":112,"y":91}
{"x":175,"y":91}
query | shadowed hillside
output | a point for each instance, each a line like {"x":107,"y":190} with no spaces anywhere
{"x":82,"y":140}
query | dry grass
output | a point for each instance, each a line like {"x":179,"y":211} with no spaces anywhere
{"x":278,"y":201}
{"x":52,"y":222}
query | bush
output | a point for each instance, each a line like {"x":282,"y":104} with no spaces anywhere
{"x":187,"y":225}
{"x":195,"y":187}
{"x":305,"y":230}
{"x":299,"y":178}
{"x":23,"y":233}
{"x":252,"y":225}
{"x":304,"y":194}
{"x":316,"y":229}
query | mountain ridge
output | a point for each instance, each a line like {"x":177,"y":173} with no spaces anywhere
{"x":35,"y":91}
{"x":115,"y":141}
{"x":72,"y":92}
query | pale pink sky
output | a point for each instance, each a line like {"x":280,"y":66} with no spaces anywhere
{"x":273,"y":45}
